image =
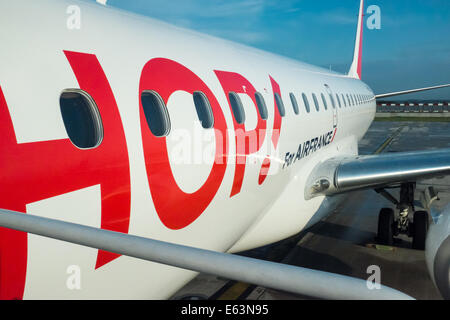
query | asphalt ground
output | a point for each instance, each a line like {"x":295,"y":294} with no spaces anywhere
{"x":345,"y":242}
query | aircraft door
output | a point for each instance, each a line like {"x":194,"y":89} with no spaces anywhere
{"x":333,"y":105}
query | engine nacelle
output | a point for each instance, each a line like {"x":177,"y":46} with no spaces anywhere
{"x":437,"y":252}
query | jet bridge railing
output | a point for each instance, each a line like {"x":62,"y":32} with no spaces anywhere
{"x":279,"y":276}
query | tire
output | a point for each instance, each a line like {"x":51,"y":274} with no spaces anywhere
{"x":386,"y":226}
{"x":420,"y":229}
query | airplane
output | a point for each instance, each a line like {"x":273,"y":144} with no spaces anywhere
{"x":136,"y":154}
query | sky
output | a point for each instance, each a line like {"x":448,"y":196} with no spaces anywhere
{"x":410,"y":50}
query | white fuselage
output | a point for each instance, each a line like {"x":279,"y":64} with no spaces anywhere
{"x":34,"y":70}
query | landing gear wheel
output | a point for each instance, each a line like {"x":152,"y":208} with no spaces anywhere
{"x":386,"y":226}
{"x":420,"y":228}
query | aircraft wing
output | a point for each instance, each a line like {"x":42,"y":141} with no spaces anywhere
{"x":344,"y":174}
{"x":398,"y":93}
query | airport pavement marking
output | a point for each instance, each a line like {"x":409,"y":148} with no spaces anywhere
{"x":389,"y":140}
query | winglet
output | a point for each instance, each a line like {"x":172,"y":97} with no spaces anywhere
{"x":355,"y":69}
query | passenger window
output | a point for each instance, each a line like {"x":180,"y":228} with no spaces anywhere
{"x":280,"y":105}
{"x":294,"y":102}
{"x":236,"y":105}
{"x":81,"y":118}
{"x":261,"y":104}
{"x":155,"y":111}
{"x":338,"y":100}
{"x":324,"y":101}
{"x":353,"y":101}
{"x":204,"y":110}
{"x":316,"y":103}
{"x":306,"y":102}
{"x":343,"y":99}
{"x":332,"y":101}
{"x":349,"y":101}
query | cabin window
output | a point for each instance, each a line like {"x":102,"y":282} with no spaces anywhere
{"x":353,"y":101}
{"x":349,"y":101}
{"x":324,"y":101}
{"x":81,"y":118}
{"x":339,"y":101}
{"x":280,"y":104}
{"x":343,"y":99}
{"x":156,"y":114}
{"x":333,"y":104}
{"x":204,"y":111}
{"x":316,"y":103}
{"x":236,"y":106}
{"x":261,"y":104}
{"x":306,"y":102}
{"x":294,"y":102}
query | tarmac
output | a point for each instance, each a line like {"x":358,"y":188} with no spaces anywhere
{"x":345,"y":242}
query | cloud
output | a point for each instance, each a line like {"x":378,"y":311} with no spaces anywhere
{"x":337,"y":17}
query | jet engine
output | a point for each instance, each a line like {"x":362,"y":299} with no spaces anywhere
{"x":437,"y":251}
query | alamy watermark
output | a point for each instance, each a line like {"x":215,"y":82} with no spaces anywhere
{"x":73,"y":21}
{"x":73,"y":281}
{"x":374,"y":18}
{"x":374,"y":280}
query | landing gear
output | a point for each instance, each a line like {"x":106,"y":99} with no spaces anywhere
{"x":389,"y":227}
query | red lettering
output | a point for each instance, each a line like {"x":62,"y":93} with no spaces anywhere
{"x":276,"y":130}
{"x":247,"y":142}
{"x":175,"y":208}
{"x":39,"y":170}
